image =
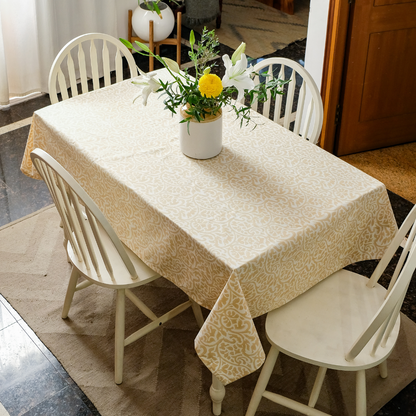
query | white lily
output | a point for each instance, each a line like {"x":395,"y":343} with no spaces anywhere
{"x":236,"y":56}
{"x":150,"y":85}
{"x":238,"y":75}
{"x":172,"y":65}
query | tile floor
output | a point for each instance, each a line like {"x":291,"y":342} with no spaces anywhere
{"x":32,"y":381}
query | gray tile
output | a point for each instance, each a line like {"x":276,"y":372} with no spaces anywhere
{"x":27,"y":108}
{"x":8,"y":117}
{"x":27,"y":378}
{"x":10,"y":308}
{"x":19,"y":194}
{"x":23,"y":110}
{"x":64,"y":403}
{"x":46,"y":352}
{"x":6,"y":318}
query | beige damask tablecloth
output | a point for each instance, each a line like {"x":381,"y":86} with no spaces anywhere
{"x":242,"y":233}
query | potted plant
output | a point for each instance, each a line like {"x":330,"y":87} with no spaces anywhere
{"x":200,"y":100}
{"x":160,"y":13}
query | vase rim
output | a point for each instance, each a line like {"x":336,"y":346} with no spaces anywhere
{"x":208,"y":118}
{"x":162,"y":6}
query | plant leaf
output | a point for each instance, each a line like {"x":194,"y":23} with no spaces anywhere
{"x":126,"y":43}
{"x":157,"y":10}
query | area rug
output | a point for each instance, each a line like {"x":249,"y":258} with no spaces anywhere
{"x":263,"y":28}
{"x":162,"y":373}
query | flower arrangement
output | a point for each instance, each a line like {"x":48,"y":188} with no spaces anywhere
{"x":206,"y":94}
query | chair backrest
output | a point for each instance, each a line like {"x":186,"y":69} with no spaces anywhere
{"x":285,"y":112}
{"x":71,"y":66}
{"x":80,"y":216}
{"x":386,"y":316}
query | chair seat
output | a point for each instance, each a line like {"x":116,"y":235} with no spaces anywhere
{"x":321,"y":325}
{"x":122,"y":276}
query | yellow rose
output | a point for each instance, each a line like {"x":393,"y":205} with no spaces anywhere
{"x":210,"y":85}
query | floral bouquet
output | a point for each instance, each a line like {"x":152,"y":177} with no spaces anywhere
{"x":205,"y":94}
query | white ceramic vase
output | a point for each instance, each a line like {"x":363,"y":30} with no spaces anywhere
{"x":162,"y":28}
{"x":204,"y":139}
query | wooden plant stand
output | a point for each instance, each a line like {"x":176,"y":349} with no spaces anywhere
{"x":156,"y":45}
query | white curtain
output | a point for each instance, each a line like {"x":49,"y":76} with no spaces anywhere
{"x":32,"y":32}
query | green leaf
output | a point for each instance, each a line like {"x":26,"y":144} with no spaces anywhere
{"x":157,"y":10}
{"x":192,"y":99}
{"x":126,"y":43}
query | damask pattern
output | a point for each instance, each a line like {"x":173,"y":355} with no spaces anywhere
{"x":242,"y":233}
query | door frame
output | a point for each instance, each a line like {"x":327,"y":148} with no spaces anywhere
{"x":333,"y":69}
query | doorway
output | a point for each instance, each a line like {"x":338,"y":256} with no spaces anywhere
{"x":369,"y":86}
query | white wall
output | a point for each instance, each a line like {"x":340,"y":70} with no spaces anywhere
{"x":315,"y":44}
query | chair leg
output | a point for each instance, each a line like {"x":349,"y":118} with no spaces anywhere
{"x":70,"y":292}
{"x":119,"y":336}
{"x":197,"y":313}
{"x":361,"y":399}
{"x":261,"y":385}
{"x":217,"y":393}
{"x":317,"y":386}
{"x":382,"y":368}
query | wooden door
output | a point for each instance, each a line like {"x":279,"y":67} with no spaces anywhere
{"x":378,"y":96}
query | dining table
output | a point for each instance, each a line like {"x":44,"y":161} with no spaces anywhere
{"x":242,"y":233}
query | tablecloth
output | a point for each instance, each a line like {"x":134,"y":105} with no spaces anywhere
{"x":242,"y":233}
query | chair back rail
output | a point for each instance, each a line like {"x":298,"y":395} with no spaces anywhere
{"x":314,"y":113}
{"x":408,"y":224}
{"x":384,"y":320}
{"x":64,"y":64}
{"x":81,"y":217}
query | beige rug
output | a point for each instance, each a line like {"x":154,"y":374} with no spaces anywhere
{"x":263,"y":28}
{"x":163,"y":375}
{"x":395,"y":166}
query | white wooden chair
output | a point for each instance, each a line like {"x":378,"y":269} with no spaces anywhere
{"x":71,"y":66}
{"x":98,"y":255}
{"x":346,"y":322}
{"x":315,"y":111}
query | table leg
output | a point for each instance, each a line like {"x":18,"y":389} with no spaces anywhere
{"x":217,"y":393}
